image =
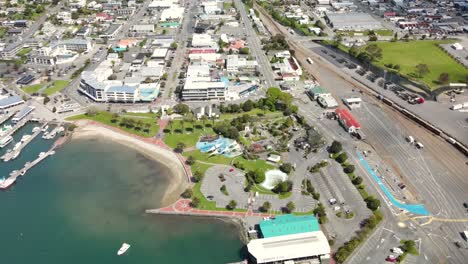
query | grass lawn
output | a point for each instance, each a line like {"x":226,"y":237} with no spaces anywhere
{"x":24,"y":51}
{"x":56,"y":87}
{"x":249,"y":165}
{"x":106,"y":117}
{"x":30,"y":89}
{"x":255,"y":111}
{"x":409,"y":54}
{"x":178,"y":134}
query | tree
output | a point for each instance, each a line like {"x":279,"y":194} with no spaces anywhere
{"x":180,"y":147}
{"x":147,"y":127}
{"x":353,"y":51}
{"x":232,"y":205}
{"x":91,"y":111}
{"x":266,"y":206}
{"x":247,"y":106}
{"x":197,"y":176}
{"x":349,"y":169}
{"x":187,"y":193}
{"x":170,"y":123}
{"x":164,"y":76}
{"x":181,"y":109}
{"x":342,"y":157}
{"x":337,"y":40}
{"x":195,"y":202}
{"x":115,"y":117}
{"x":244,"y":51}
{"x":54,"y":109}
{"x":290,"y":207}
{"x":372,"y":203}
{"x":204,"y":119}
{"x":190,"y":160}
{"x":336,"y":147}
{"x":443,"y":78}
{"x":286,"y":167}
{"x":283,"y":187}
{"x":46,"y":100}
{"x":174,"y":45}
{"x":357,"y":180}
{"x":373,"y":52}
{"x":422,"y":69}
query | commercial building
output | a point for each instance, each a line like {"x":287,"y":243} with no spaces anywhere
{"x":327,"y":101}
{"x":204,"y":55}
{"x":200,"y":85}
{"x":174,"y":13}
{"x":352,"y":21}
{"x":235,"y":64}
{"x":317,"y":91}
{"x":290,"y":238}
{"x":143,"y":28}
{"x":347,"y":120}
{"x":111,"y":31}
{"x":203,"y":41}
{"x":10,"y":101}
{"x":25,"y":111}
{"x":76,"y":44}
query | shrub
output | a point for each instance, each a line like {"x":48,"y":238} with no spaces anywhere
{"x":197,"y":176}
{"x":232,"y":205}
{"x":190,"y":160}
{"x":336,"y":147}
{"x":357,"y":181}
{"x":342,"y":157}
{"x":187,"y":193}
{"x":195,"y":202}
{"x":372,"y":203}
{"x":265,"y":207}
{"x":286,"y":167}
{"x":349,"y":169}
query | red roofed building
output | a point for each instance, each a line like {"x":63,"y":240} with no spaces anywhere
{"x":103,"y":17}
{"x":347,"y":120}
{"x":201,"y":51}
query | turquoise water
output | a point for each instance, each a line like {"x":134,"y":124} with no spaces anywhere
{"x":412,"y":208}
{"x":81,"y":204}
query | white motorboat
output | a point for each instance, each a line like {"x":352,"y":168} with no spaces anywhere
{"x":35,"y":129}
{"x":5,"y":141}
{"x":25,"y":138}
{"x":123,"y":249}
{"x":45,"y":128}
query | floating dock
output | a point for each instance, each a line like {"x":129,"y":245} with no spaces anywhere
{"x":4,"y":184}
{"x":53,"y":133}
{"x":14,"y":153}
{"x":6,"y":117}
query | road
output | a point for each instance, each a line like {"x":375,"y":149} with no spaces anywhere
{"x":255,"y":46}
{"x":437,"y":180}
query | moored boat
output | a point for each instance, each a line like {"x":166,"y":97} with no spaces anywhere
{"x":123,"y":249}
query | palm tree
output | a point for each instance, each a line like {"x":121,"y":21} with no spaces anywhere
{"x":182,"y":124}
{"x":115,"y":117}
{"x":170,"y":123}
{"x":147,"y":127}
{"x":203,"y":119}
{"x":138,"y":124}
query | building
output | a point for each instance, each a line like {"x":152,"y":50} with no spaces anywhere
{"x":236,"y":64}
{"x":143,"y":28}
{"x":352,"y":21}
{"x":10,"y":101}
{"x":83,"y":32}
{"x":289,"y":238}
{"x":76,"y":44}
{"x":111,"y":31}
{"x":25,"y":80}
{"x":353,"y":102}
{"x":347,"y":120}
{"x":162,"y":41}
{"x":203,"y":41}
{"x":204,"y":55}
{"x":317,"y":91}
{"x":161,"y":4}
{"x":160,"y":54}
{"x":25,"y":111}
{"x":201,"y":85}
{"x":174,"y":13}
{"x":327,"y":101}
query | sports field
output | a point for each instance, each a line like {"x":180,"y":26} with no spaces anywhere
{"x":409,"y":54}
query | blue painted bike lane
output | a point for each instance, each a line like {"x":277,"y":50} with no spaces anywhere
{"x":412,"y":208}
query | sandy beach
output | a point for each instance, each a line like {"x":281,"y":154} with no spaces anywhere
{"x":177,"y":180}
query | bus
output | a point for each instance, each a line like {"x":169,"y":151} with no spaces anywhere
{"x":310,"y":61}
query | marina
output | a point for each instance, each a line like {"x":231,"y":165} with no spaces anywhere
{"x":6,"y":117}
{"x":53,"y":133}
{"x":25,"y":140}
{"x":6,"y":183}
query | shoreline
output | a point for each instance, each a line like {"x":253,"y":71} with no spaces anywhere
{"x":166,"y":158}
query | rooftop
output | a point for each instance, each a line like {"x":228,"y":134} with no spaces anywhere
{"x":289,"y":224}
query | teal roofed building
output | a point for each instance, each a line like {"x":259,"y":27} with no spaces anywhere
{"x":288,"y":225}
{"x":317,"y":91}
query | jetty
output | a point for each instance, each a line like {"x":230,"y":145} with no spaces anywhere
{"x":6,"y":117}
{"x":4,"y":184}
{"x":17,"y":126}
{"x":53,"y":133}
{"x":14,"y":153}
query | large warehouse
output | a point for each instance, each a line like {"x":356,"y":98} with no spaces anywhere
{"x":352,"y":21}
{"x":290,"y":238}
